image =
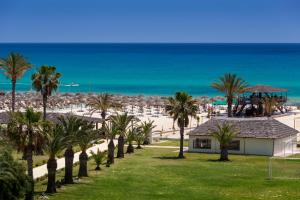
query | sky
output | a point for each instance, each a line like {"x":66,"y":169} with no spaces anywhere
{"x":246,"y":21}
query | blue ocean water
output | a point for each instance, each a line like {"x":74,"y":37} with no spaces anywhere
{"x":160,"y":69}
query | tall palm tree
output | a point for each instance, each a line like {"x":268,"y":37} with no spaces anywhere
{"x":45,"y":80}
{"x":110,"y":131}
{"x":15,"y":65}
{"x":55,"y":143}
{"x":13,"y":179}
{"x":122,"y":123}
{"x":180,"y":108}
{"x":230,"y":85}
{"x":71,"y":126}
{"x":102,"y":103}
{"x":224,"y":133}
{"x":147,"y":128}
{"x":84,"y":138}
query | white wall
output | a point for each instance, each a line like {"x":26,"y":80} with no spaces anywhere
{"x":285,"y":146}
{"x":257,"y":146}
{"x":252,"y":146}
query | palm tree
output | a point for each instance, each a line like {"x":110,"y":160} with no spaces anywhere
{"x":224,"y":134}
{"x":110,"y":131}
{"x":55,"y":143}
{"x":269,"y":103}
{"x":15,"y":65}
{"x":84,"y":137}
{"x":140,"y":137}
{"x":130,"y":137}
{"x":147,"y":128}
{"x":13,"y":180}
{"x":102,"y":103}
{"x":15,"y":134}
{"x":122,"y":123}
{"x":46,"y":80}
{"x":230,"y":85}
{"x":71,"y":126}
{"x":180,"y":108}
{"x":99,"y":158}
{"x":198,"y":120}
{"x":31,"y":122}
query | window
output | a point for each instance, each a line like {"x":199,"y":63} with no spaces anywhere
{"x":202,"y":143}
{"x":234,"y":145}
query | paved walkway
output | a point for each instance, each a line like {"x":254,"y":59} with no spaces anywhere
{"x":42,"y":170}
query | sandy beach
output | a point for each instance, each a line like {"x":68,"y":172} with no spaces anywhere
{"x":145,"y":108}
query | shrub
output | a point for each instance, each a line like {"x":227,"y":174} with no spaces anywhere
{"x":99,"y":158}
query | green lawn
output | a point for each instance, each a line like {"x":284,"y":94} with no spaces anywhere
{"x":155,"y":174}
{"x":171,"y":143}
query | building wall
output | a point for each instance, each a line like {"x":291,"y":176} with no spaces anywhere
{"x":257,"y":146}
{"x":252,"y":146}
{"x":285,"y":146}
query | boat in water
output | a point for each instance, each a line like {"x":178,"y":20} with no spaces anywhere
{"x":72,"y":84}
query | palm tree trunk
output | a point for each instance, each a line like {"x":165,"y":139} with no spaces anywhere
{"x":51,"y":166}
{"x":147,"y":139}
{"x":44,"y":106}
{"x":13,"y":95}
{"x":130,"y":148}
{"x":24,"y":156}
{"x":229,"y":106}
{"x":139,"y":145}
{"x":69,"y":157}
{"x":120,"y":153}
{"x":103,"y":116}
{"x":98,"y":168}
{"x":30,"y":194}
{"x":111,"y":152}
{"x":180,"y":155}
{"x":224,"y":154}
{"x":83,"y":158}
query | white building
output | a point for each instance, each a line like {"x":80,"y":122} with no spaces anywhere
{"x":256,"y":136}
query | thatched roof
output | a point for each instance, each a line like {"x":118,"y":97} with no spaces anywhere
{"x":4,"y":117}
{"x":248,"y":127}
{"x":264,"y":88}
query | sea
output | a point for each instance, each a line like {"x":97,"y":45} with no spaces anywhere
{"x":159,"y":68}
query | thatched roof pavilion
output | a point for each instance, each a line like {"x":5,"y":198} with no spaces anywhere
{"x":264,"y":89}
{"x":251,"y":102}
{"x":4,"y":117}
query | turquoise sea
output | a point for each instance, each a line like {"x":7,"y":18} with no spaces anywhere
{"x":160,"y":69}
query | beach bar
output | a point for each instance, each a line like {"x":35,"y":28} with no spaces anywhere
{"x":251,"y":102}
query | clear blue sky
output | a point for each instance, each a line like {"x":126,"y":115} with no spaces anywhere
{"x":150,"y":21}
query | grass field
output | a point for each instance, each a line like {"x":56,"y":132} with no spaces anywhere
{"x":155,"y":174}
{"x":171,"y":143}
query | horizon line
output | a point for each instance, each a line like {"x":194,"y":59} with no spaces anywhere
{"x":149,"y":42}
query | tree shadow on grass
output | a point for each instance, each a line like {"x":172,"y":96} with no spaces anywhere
{"x":168,"y":158}
{"x":218,"y":160}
